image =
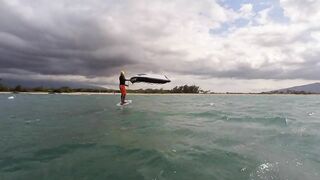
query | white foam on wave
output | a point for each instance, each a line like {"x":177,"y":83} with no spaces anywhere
{"x":266,"y":171}
{"x":310,"y":113}
{"x":32,"y":121}
{"x":11,"y":97}
{"x":299,"y":163}
{"x":243,"y":169}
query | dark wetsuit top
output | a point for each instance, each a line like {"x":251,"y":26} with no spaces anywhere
{"x":122,"y":80}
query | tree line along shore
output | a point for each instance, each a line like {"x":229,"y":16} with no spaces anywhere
{"x":185,"y":89}
{"x":178,"y":89}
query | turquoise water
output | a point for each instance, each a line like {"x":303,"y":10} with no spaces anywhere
{"x":160,"y":137}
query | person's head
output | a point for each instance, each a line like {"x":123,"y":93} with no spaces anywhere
{"x":122,"y":73}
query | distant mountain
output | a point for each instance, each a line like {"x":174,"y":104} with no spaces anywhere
{"x":309,"y":88}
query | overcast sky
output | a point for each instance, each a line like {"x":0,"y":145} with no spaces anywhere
{"x":220,"y":45}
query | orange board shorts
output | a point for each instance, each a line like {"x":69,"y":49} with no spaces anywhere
{"x":123,"y":90}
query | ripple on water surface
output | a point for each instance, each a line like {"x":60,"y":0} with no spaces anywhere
{"x":159,"y":137}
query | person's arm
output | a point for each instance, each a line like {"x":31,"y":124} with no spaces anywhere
{"x":128,"y":83}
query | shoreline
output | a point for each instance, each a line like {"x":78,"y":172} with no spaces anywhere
{"x":139,"y":94}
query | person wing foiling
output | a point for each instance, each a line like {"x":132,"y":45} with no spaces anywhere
{"x":122,"y":86}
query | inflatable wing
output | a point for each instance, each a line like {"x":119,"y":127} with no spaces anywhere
{"x":149,"y":78}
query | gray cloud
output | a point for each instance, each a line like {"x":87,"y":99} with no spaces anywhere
{"x":12,"y":82}
{"x":99,"y":38}
{"x":67,"y":47}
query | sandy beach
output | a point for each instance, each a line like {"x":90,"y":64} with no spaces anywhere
{"x":150,"y":94}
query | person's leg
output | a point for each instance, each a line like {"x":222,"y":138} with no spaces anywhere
{"x":122,"y":99}
{"x":122,"y":94}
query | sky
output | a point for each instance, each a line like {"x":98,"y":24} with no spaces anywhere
{"x":219,"y":45}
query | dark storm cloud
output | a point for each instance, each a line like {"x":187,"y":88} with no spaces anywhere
{"x":29,"y":83}
{"x":308,"y":70}
{"x":66,"y":48}
{"x":241,"y":71}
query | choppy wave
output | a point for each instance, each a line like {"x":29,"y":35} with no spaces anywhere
{"x":220,"y":115}
{"x":160,"y":137}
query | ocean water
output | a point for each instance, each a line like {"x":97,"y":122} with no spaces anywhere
{"x":160,"y":137}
